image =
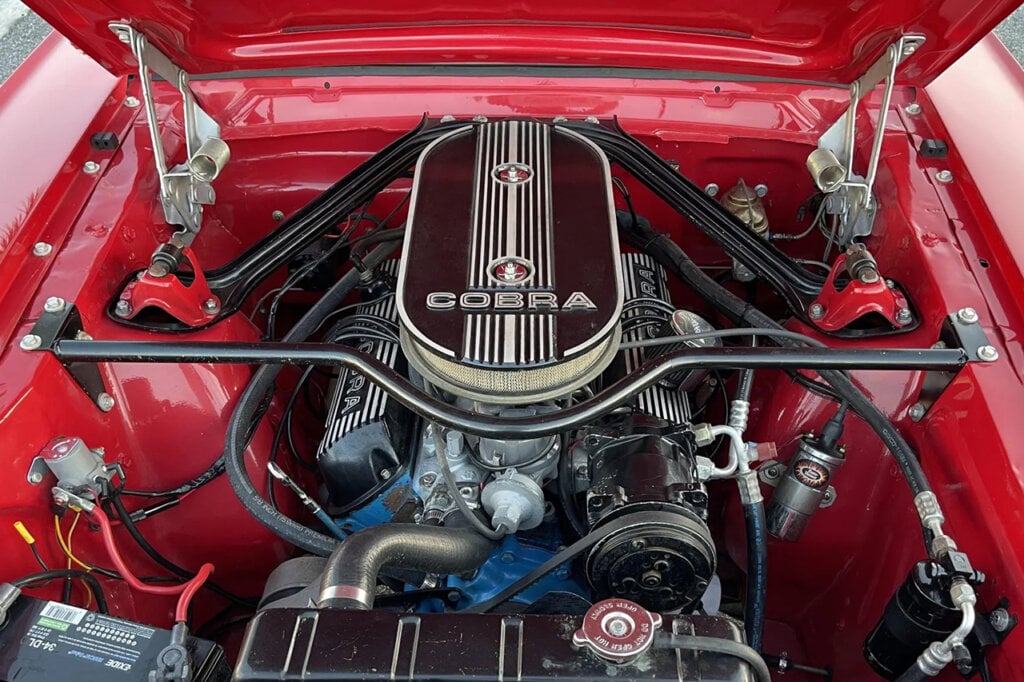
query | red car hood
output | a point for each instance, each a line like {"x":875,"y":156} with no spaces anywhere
{"x":814,"y":40}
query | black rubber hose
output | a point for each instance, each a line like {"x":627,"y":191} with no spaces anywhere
{"x":745,"y":382}
{"x":89,"y":579}
{"x":350,"y":577}
{"x":757,"y":574}
{"x":260,"y":385}
{"x":716,"y":645}
{"x":140,"y":540}
{"x":914,"y":674}
{"x":641,"y":235}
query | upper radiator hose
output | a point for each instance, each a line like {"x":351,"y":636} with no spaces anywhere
{"x":350,"y":577}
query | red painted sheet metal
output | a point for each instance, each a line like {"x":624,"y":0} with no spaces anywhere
{"x":805,"y":39}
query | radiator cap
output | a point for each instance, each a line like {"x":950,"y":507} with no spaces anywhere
{"x":617,"y":630}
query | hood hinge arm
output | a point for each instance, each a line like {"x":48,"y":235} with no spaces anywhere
{"x":856,"y":205}
{"x":184,"y":188}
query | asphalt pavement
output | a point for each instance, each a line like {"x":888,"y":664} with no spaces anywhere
{"x":21,"y":31}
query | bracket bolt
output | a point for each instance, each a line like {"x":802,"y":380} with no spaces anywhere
{"x":910,"y":48}
{"x":988,"y":353}
{"x":131,"y":102}
{"x":35,"y":478}
{"x":944,"y":176}
{"x":31,"y":342}
{"x":277,"y":216}
{"x":1000,"y":620}
{"x":211,"y":305}
{"x":816,"y":311}
{"x":123,"y":308}
{"x":761,"y":190}
{"x":967,"y":315}
{"x":105,"y":402}
{"x":54,"y":304}
{"x":913,"y":109}
{"x":427,"y":480}
{"x":904,"y":316}
{"x":711,"y":189}
{"x":916,"y":412}
{"x":41,"y":249}
{"x":91,"y":167}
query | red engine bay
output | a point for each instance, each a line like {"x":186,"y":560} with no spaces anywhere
{"x":292,"y":137}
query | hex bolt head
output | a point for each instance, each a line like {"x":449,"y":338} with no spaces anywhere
{"x":211,"y":305}
{"x":42,"y":249}
{"x":916,"y":412}
{"x":593,"y":120}
{"x":123,"y":308}
{"x":910,"y":48}
{"x":54,"y":304}
{"x":816,"y":311}
{"x":761,"y":190}
{"x":913,"y":109}
{"x":944,"y":176}
{"x":105,"y":402}
{"x":278,"y":216}
{"x":35,"y":478}
{"x":711,"y":189}
{"x":31,"y":342}
{"x":427,"y":480}
{"x":131,"y":102}
{"x":904,"y":316}
{"x":90,"y":167}
{"x":967,"y":315}
{"x":988,"y":353}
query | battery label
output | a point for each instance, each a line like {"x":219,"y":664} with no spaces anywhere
{"x":112,"y":643}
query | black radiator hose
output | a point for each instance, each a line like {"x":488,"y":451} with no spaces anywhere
{"x":350,"y":577}
{"x":641,"y":235}
{"x":248,"y":405}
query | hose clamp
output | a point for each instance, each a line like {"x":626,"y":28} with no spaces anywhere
{"x":347,"y":592}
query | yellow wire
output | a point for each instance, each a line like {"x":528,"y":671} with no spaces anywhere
{"x":65,"y":547}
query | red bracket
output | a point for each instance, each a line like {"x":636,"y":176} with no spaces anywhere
{"x":835,"y":309}
{"x":193,"y":304}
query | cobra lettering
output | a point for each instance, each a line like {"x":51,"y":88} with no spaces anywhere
{"x":577,"y":301}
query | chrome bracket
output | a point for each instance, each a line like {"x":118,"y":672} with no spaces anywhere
{"x":855,"y":202}
{"x":184,"y":188}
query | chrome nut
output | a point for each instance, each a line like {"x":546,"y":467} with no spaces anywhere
{"x":942,"y":545}
{"x":962,"y":593}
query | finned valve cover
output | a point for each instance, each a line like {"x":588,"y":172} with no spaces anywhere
{"x":510,"y":289}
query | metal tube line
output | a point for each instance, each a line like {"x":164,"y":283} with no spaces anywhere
{"x":414,"y":398}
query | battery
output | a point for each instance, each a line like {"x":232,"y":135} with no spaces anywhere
{"x":45,"y":641}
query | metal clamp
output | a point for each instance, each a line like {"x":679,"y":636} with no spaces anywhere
{"x":185,"y":188}
{"x":857,"y":211}
{"x":771,"y":472}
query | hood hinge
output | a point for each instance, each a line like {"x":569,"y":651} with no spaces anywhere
{"x":853,"y":202}
{"x":185,"y":188}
